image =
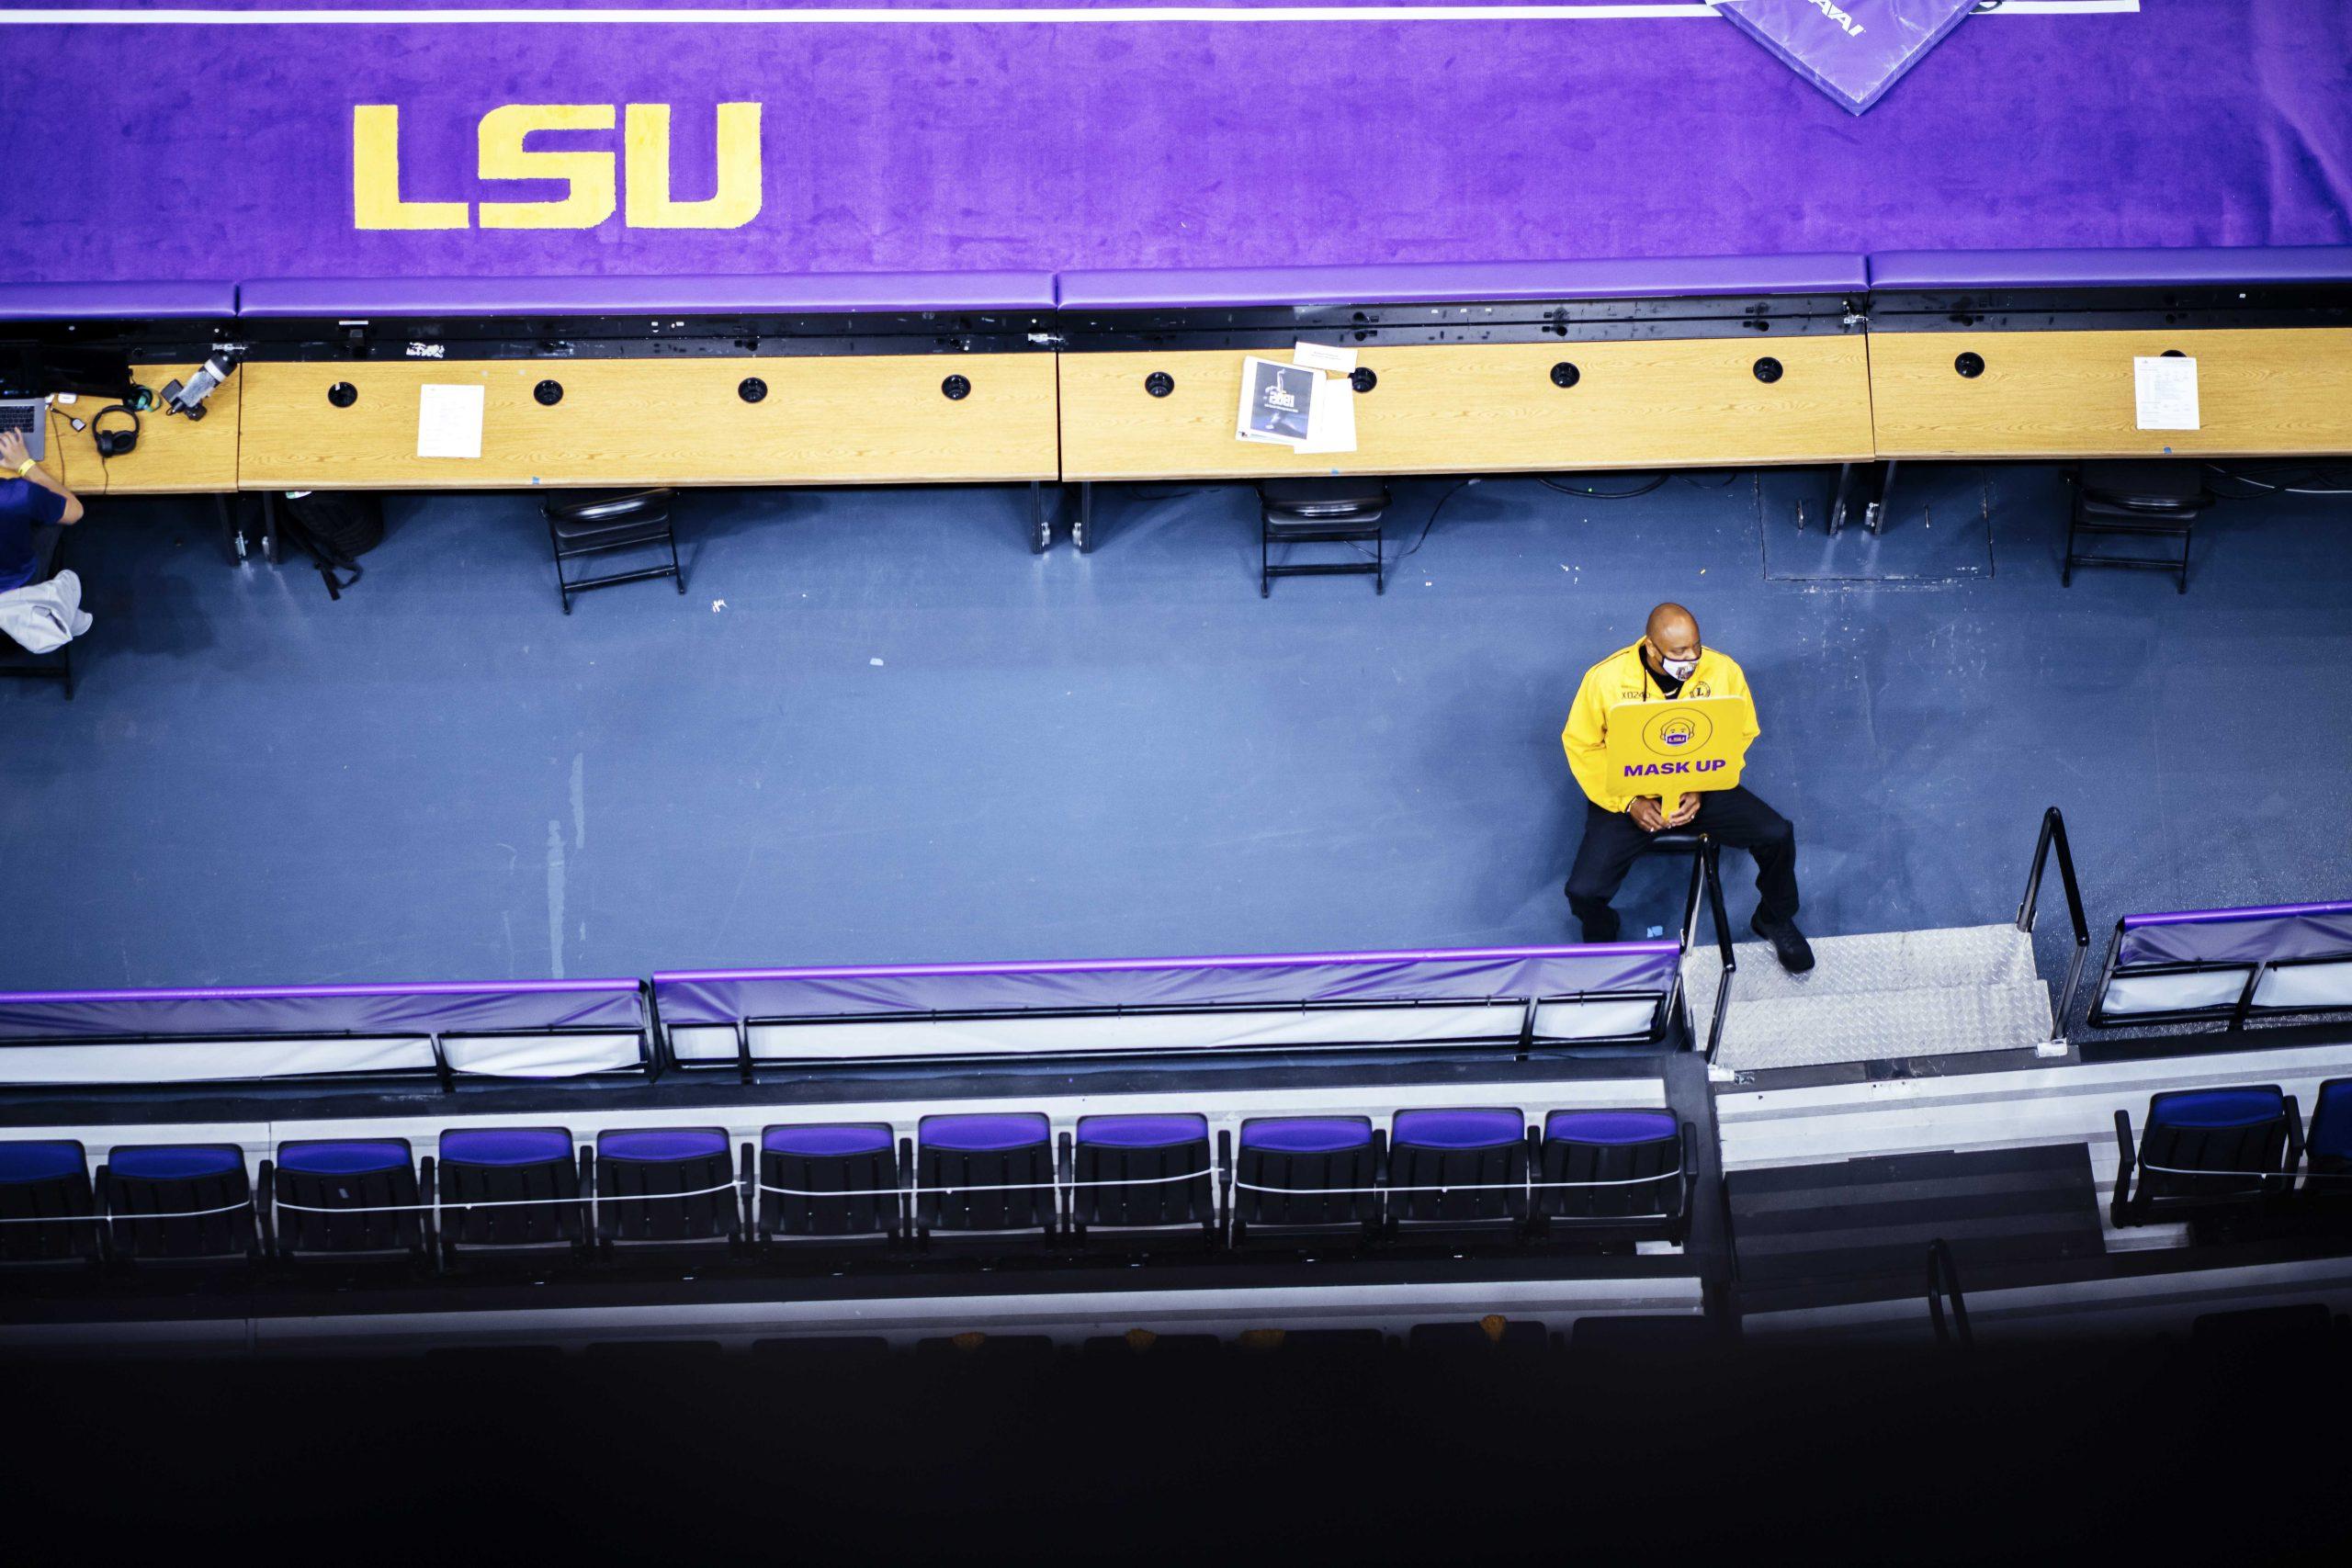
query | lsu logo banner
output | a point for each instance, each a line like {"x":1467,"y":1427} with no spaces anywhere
{"x":636,"y":181}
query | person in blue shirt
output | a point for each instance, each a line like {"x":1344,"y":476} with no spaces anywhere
{"x":29,"y":498}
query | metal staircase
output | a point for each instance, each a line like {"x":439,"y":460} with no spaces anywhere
{"x":1884,"y":996}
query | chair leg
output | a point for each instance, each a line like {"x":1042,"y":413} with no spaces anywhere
{"x":1265,"y":579}
{"x":676,"y":570}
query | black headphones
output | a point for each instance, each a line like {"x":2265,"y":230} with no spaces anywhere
{"x":115,"y":443}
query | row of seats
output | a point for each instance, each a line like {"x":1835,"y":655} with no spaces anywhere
{"x":2215,"y":1151}
{"x":520,"y":1191}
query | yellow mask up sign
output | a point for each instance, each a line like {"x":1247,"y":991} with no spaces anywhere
{"x":1681,"y":746}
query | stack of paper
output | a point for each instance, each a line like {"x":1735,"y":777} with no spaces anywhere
{"x":1297,"y":405}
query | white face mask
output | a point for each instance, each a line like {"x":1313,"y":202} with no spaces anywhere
{"x":1679,"y":669}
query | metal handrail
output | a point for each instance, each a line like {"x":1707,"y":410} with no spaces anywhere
{"x":2054,"y":833}
{"x":1943,"y":1277}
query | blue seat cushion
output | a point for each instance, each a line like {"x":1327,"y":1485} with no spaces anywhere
{"x":358,"y":1157}
{"x":2209,"y":1107}
{"x":1609,"y":1126}
{"x":983,"y":1134}
{"x":505,"y":1145}
{"x":2331,"y":1133}
{"x":1457,"y":1129}
{"x":170,"y":1162}
{"x":1141,"y":1132}
{"x":661,"y":1145}
{"x":1306,"y":1134}
{"x":40,"y":1162}
{"x":826,"y":1143}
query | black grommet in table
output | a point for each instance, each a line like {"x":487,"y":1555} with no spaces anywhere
{"x":1768,"y":370}
{"x":1565,"y":374}
{"x":2173,"y":354}
{"x":1970,"y":364}
{"x":750,"y":388}
{"x":1159,"y":383}
{"x":549,"y":393}
{"x":956,"y":387}
{"x":343,"y":394}
{"x":1364,"y":378}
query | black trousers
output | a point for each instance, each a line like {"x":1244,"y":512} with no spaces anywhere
{"x":1613,"y":841}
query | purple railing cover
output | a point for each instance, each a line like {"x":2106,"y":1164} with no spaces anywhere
{"x":431,"y":1009}
{"x":728,"y":996}
{"x":2271,"y":933}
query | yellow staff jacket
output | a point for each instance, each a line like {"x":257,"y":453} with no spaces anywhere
{"x":1624,"y":678}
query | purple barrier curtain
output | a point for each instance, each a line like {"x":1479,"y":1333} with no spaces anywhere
{"x":2273,"y":933}
{"x":726,"y":996}
{"x":434,"y":1009}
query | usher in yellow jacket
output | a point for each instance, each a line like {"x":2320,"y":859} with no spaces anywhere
{"x":1624,"y":678}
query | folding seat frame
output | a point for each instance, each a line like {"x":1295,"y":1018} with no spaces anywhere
{"x":2327,"y":1174}
{"x":988,"y":1194}
{"x":1455,"y":1187}
{"x":1593,"y":1192}
{"x":2205,"y":1171}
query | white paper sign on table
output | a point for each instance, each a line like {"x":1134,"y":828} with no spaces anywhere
{"x":1331,"y":419}
{"x":2163,"y":388}
{"x":449,"y":422}
{"x":1323,"y":357}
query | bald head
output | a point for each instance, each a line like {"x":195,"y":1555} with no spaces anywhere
{"x":1672,"y":628}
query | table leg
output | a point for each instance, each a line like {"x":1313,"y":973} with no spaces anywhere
{"x":1081,"y":532}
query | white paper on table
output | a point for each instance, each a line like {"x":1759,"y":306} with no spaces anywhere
{"x":449,"y":422}
{"x":1331,"y":418}
{"x":2165,"y":390}
{"x":1323,"y":357}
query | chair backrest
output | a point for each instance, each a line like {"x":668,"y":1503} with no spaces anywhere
{"x":666,"y":1186}
{"x":1307,"y":1172}
{"x":2328,"y":1144}
{"x":2213,"y":1147}
{"x":1142,"y":1171}
{"x":1610,"y":1165}
{"x":49,"y":1179}
{"x":178,"y":1203}
{"x":802,"y":1169}
{"x":527,"y":1180}
{"x":1457,"y":1167}
{"x":343,"y":1197}
{"x":985,"y":1172}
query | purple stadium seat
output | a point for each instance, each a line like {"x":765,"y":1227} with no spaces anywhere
{"x":509,"y":1191}
{"x":1477,"y":1161}
{"x":348,"y":1199}
{"x":178,"y":1204}
{"x":985,"y":1173}
{"x":2206,"y":1153}
{"x":1302,"y":1174}
{"x":667,"y":1187}
{"x":1617,"y":1173}
{"x":1140,"y":1174}
{"x":42,"y":1180}
{"x":830,"y":1184}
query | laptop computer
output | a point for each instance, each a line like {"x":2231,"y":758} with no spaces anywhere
{"x":28,"y":418}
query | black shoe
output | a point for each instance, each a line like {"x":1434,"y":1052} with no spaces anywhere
{"x":1788,"y":943}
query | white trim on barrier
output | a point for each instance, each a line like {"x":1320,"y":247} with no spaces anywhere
{"x":165,"y":1060}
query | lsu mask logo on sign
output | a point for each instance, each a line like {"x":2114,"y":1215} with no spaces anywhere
{"x":593,"y":189}
{"x":1676,"y":734}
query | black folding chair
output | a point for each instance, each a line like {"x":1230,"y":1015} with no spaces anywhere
{"x":604,"y":524}
{"x":349,"y":1199}
{"x":179,"y":1203}
{"x":46,"y":1207}
{"x":820,"y":1184}
{"x":49,"y":559}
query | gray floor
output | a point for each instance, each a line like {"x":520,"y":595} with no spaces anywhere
{"x":875,"y":728}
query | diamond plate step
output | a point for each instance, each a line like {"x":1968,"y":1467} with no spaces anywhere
{"x":1879,"y":960}
{"x":1803,"y":1031}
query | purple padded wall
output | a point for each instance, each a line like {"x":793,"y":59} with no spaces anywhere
{"x":2270,"y":933}
{"x":934,"y":147}
{"x":728,"y":996}
{"x":436,"y":1008}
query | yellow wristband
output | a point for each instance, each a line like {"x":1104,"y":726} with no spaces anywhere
{"x":27,"y":467}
